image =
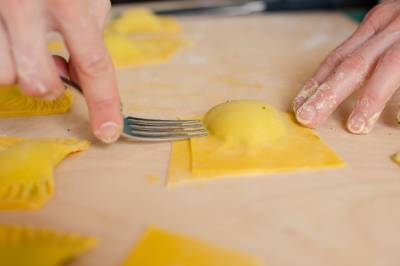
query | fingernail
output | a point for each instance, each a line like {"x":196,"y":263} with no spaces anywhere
{"x":38,"y":89}
{"x":108,"y":132}
{"x":357,"y":123}
{"x":306,"y":114}
{"x":306,"y":91}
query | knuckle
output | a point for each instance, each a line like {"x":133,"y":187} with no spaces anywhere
{"x":375,"y":18}
{"x":13,"y":11}
{"x":392,"y":56}
{"x":94,"y":65}
{"x":369,"y":26}
{"x":377,"y":12}
{"x":103,"y":104}
{"x":107,"y":6}
{"x":65,"y":10}
{"x":355,"y":62}
{"x":12,"y":5}
{"x":61,"y":3}
{"x":334,"y":58}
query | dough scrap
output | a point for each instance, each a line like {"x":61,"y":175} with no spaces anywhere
{"x":246,"y":138}
{"x":158,"y":247}
{"x":139,"y":37}
{"x":396,"y":158}
{"x":13,"y":102}
{"x":21,"y":246}
{"x":26,"y":169}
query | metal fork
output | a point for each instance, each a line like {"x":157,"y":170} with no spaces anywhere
{"x":143,"y":129}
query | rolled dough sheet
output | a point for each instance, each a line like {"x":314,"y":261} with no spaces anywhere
{"x":209,"y":158}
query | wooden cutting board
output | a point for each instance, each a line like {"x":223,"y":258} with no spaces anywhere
{"x":341,"y":217}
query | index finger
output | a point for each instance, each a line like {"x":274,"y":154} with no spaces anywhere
{"x":95,"y":73}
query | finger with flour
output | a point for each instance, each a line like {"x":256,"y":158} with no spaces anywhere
{"x":347,"y":77}
{"x":376,"y":20}
{"x":380,"y":87}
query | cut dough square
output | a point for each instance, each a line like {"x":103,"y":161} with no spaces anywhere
{"x":302,"y":149}
{"x":158,"y":247}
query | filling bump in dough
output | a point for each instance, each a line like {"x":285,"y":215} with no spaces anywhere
{"x":26,"y":169}
{"x":13,"y":102}
{"x":248,"y":137}
{"x":161,"y":248}
{"x":37,"y":247}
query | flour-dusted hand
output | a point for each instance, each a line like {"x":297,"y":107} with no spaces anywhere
{"x":370,"y":59}
{"x":26,"y":60}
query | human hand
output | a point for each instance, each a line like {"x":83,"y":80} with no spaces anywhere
{"x":25,"y":58}
{"x":370,"y":58}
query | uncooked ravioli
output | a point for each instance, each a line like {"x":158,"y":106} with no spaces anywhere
{"x":13,"y":102}
{"x":138,"y":37}
{"x":21,"y":246}
{"x":26,"y":169}
{"x":248,"y":137}
{"x":159,"y":247}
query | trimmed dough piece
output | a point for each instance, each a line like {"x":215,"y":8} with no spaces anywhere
{"x":396,"y":158}
{"x":13,"y":102}
{"x":248,"y":137}
{"x":20,"y":246}
{"x":158,"y":247}
{"x":26,"y":169}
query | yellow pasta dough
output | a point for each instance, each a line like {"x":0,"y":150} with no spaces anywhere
{"x":26,"y":169}
{"x":127,"y":51}
{"x":138,"y":37}
{"x":248,"y":137}
{"x":396,"y":158}
{"x":22,"y":246}
{"x":161,"y":248}
{"x":13,"y":102}
{"x":141,"y":20}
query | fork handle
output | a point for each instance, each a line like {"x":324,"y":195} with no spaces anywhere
{"x":71,"y":83}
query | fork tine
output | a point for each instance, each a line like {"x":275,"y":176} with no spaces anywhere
{"x":167,"y":129}
{"x":158,"y":122}
{"x":162,"y":136}
{"x":164,"y":125}
{"x":163,"y":130}
{"x":155,"y":129}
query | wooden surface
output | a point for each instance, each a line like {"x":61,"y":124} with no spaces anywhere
{"x":349,"y":216}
